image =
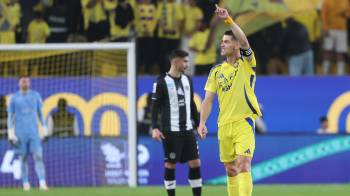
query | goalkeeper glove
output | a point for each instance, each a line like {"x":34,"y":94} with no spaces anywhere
{"x":44,"y":134}
{"x":11,"y":136}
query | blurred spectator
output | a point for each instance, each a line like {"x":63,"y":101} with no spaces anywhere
{"x":193,"y":17}
{"x":297,"y":49}
{"x":208,"y":8}
{"x":28,"y":9}
{"x":14,"y":15}
{"x":38,"y":29}
{"x":57,"y":19}
{"x":96,"y":23}
{"x":267,"y":47}
{"x":311,"y":19}
{"x":144,"y":121}
{"x":75,"y":17}
{"x":3,"y":116}
{"x":323,"y":125}
{"x":334,"y":16}
{"x":205,"y":54}
{"x":7,"y":26}
{"x":63,"y":123}
{"x":121,"y":18}
{"x":145,"y":22}
{"x":170,"y":24}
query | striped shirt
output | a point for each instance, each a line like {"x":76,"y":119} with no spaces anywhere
{"x":172,"y":99}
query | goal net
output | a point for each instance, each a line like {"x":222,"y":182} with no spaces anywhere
{"x":88,"y":93}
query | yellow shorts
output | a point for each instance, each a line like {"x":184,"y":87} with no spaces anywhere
{"x":236,"y":138}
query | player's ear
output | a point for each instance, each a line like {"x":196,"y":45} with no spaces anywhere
{"x":174,"y":61}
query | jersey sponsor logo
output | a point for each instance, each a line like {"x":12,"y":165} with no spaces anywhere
{"x":225,"y":83}
{"x":172,"y":155}
{"x":182,"y":102}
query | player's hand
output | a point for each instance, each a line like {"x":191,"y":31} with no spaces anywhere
{"x":157,"y":134}
{"x":202,"y":130}
{"x":11,"y":136}
{"x":221,"y":12}
{"x":44,"y":134}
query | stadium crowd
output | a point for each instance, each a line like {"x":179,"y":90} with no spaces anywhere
{"x":305,"y":43}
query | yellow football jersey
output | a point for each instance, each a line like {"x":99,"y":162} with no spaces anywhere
{"x":235,"y":89}
{"x":170,"y":15}
{"x":38,"y":31}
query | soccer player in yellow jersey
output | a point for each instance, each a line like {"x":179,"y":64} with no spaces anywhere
{"x":233,"y":82}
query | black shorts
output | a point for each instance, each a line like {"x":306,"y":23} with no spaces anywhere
{"x":180,"y":147}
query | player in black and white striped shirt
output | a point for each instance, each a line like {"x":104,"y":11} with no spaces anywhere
{"x":173,"y":99}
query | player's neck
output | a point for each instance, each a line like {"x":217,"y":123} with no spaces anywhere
{"x":174,"y":73}
{"x":233,"y":59}
{"x":24,"y":91}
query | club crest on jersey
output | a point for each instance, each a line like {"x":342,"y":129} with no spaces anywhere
{"x":172,"y":155}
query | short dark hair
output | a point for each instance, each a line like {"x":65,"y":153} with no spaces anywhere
{"x":23,"y":76}
{"x":178,"y":53}
{"x":38,"y":14}
{"x":230,"y":33}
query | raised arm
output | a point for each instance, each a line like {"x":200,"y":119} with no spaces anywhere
{"x":205,"y":112}
{"x":237,"y":31}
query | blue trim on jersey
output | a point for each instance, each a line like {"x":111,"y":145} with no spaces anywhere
{"x":251,"y":123}
{"x":248,"y":102}
{"x":251,"y":80}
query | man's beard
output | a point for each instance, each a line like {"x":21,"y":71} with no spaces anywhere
{"x":25,"y":88}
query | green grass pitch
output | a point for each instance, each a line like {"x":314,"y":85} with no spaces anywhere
{"x":259,"y":190}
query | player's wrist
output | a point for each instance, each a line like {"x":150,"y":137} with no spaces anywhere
{"x":229,"y":21}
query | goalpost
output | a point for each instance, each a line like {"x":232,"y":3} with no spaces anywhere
{"x":98,"y":82}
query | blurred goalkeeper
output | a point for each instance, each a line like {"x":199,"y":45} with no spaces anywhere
{"x":233,"y":81}
{"x":24,"y":111}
